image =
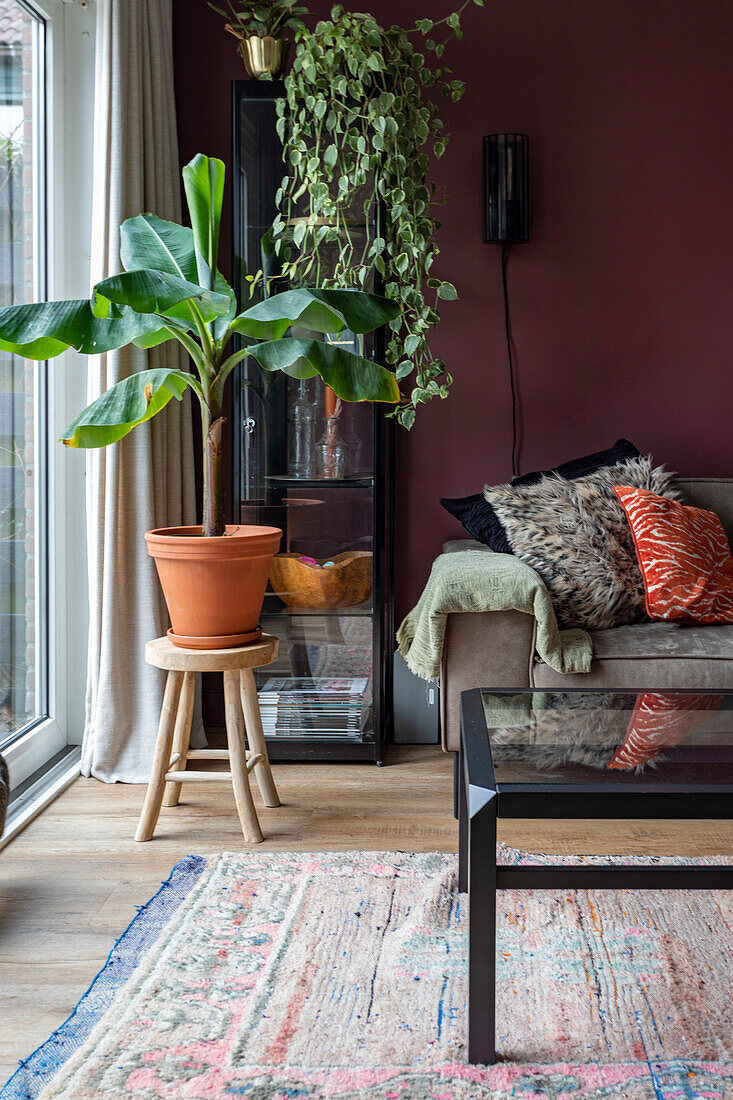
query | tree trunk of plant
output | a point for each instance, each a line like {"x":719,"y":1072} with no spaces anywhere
{"x":213,"y":422}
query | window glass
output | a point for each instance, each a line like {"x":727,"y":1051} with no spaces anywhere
{"x":22,"y":382}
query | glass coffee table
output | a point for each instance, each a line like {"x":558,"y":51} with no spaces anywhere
{"x":580,"y":754}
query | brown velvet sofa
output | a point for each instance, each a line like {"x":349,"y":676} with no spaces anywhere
{"x":495,"y":649}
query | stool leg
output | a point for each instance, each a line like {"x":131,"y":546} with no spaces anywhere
{"x":181,"y":735}
{"x":256,"y":738}
{"x":238,"y":759}
{"x":161,"y":759}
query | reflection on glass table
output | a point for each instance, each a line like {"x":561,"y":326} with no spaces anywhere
{"x":547,"y":736}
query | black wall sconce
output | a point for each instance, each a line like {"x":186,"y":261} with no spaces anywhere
{"x":506,"y":221}
{"x":506,"y":187}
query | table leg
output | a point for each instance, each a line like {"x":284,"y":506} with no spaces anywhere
{"x":482,"y":931}
{"x":256,"y":738}
{"x":462,"y":807}
{"x":238,"y":759}
{"x":456,"y":759}
{"x":181,"y":735}
{"x":161,"y":759}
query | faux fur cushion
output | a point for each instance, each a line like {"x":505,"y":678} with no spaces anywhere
{"x":480,"y":519}
{"x":576,"y":536}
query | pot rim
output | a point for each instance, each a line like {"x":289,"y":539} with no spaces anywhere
{"x":242,"y":540}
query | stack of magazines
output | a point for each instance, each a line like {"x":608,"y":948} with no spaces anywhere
{"x":315,"y":706}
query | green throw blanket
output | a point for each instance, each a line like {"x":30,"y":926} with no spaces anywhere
{"x":478,"y":580}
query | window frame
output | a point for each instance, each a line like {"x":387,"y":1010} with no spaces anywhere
{"x":66,"y":228}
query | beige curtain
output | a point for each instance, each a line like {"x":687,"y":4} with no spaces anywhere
{"x":147,"y":479}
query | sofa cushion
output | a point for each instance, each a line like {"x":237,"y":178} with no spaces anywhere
{"x":576,"y":536}
{"x":587,"y":464}
{"x":482,"y":522}
{"x":684,"y":557}
{"x":652,"y":655}
{"x":714,"y":494}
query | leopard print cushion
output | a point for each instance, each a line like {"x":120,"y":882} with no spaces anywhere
{"x":575,"y":534}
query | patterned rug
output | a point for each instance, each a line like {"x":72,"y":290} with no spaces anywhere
{"x":306,"y":976}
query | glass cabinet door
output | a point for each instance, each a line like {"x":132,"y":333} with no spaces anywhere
{"x":319,"y":470}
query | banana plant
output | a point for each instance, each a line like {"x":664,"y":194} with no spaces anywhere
{"x":170,"y":288}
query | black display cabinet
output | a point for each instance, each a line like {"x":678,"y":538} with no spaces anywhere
{"x":327,"y":481}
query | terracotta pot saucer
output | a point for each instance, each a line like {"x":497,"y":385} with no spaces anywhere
{"x":221,"y":641}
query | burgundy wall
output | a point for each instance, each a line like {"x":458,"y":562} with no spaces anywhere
{"x":621,"y":298}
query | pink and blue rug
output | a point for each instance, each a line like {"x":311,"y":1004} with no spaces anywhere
{"x":313,"y":976}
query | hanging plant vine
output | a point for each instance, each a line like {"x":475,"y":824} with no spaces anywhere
{"x":359,"y":122}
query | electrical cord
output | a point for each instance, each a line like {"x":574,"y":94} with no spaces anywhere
{"x":508,"y":330}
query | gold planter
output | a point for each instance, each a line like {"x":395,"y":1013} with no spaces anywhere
{"x":264,"y":57}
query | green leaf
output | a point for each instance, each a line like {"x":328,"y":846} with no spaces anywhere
{"x":43,"y":330}
{"x":223,"y":320}
{"x":124,"y":406}
{"x":317,"y":310}
{"x":271,"y":318}
{"x":203,"y":182}
{"x":149,"y":241}
{"x":448,"y":292}
{"x":363,"y":312}
{"x":351,"y":377}
{"x":154,"y":292}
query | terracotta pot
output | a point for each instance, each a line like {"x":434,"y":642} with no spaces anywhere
{"x":214,"y":587}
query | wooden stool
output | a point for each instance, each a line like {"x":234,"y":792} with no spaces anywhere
{"x":241,"y":706}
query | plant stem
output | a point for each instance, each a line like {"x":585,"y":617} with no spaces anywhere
{"x":212,"y":424}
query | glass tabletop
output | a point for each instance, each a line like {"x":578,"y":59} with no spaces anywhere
{"x":605,"y":737}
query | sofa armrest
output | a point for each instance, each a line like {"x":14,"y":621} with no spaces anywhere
{"x":492,"y":649}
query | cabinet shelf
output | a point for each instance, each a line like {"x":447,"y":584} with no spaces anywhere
{"x":365,"y":482}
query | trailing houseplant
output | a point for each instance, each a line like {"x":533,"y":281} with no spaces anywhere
{"x":360,"y":121}
{"x":171,"y":289}
{"x":259,"y":27}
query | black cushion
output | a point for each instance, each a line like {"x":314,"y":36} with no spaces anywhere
{"x":480,"y":520}
{"x":482,"y":523}
{"x":588,"y":464}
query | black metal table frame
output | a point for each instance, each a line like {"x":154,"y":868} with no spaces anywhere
{"x":480,"y":805}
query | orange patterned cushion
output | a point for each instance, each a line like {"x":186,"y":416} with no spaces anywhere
{"x":684,"y":558}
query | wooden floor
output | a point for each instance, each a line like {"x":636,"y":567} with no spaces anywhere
{"x":70,"y":882}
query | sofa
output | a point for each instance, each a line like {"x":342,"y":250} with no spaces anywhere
{"x":496,"y":649}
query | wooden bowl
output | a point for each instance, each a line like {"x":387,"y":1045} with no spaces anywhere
{"x":346,"y":583}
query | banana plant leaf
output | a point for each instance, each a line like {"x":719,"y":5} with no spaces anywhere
{"x":125,"y":405}
{"x":43,"y":330}
{"x":362,"y":312}
{"x":203,"y":182}
{"x":224,"y":320}
{"x":149,"y":241}
{"x":329,"y":311}
{"x":351,"y":377}
{"x":149,"y":291}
